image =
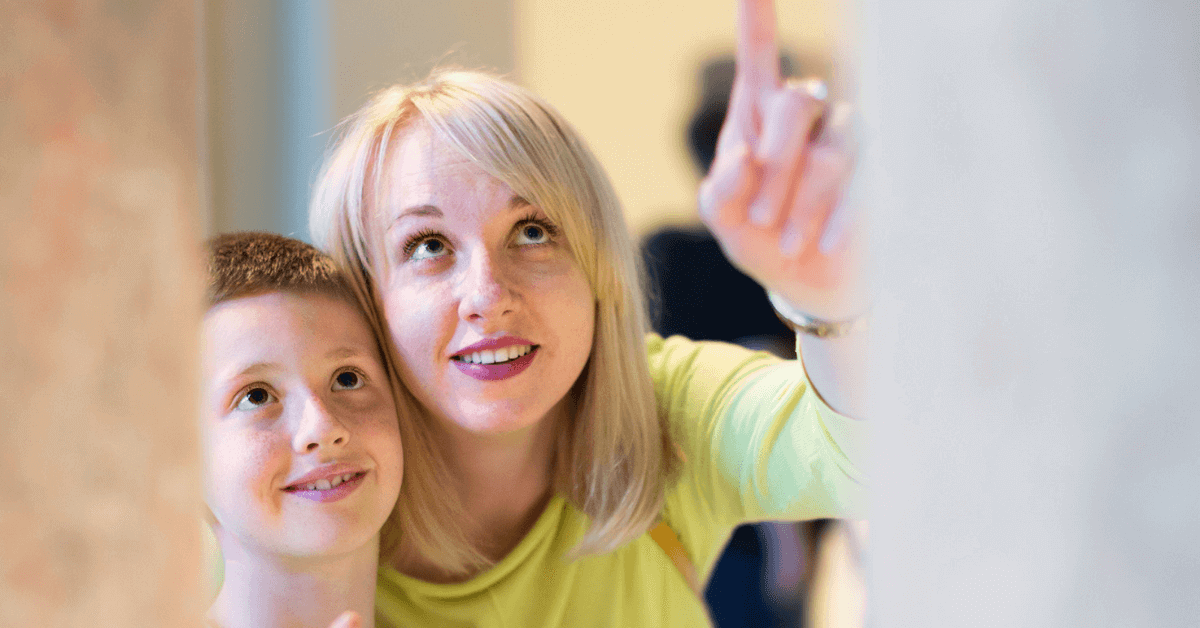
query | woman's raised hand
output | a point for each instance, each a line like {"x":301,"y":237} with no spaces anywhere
{"x":772,"y":195}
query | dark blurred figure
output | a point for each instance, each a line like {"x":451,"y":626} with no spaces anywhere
{"x":761,"y":578}
{"x":694,"y":290}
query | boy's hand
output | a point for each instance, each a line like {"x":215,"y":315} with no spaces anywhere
{"x":348,"y":619}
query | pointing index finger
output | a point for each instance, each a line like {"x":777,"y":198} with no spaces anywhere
{"x":757,"y":54}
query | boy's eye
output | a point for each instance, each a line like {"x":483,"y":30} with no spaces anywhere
{"x":348,"y":380}
{"x":255,"y":398}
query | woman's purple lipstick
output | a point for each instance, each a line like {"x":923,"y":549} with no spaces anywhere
{"x":310,"y":491}
{"x":492,"y":372}
{"x":499,"y":369}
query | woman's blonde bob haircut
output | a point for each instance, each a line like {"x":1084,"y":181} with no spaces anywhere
{"x":613,"y":460}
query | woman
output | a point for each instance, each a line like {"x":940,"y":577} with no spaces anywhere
{"x":492,"y":248}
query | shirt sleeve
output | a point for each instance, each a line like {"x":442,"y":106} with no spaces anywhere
{"x":758,"y":443}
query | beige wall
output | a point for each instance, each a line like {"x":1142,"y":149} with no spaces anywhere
{"x":625,"y":73}
{"x":99,"y":311}
{"x":380,"y":42}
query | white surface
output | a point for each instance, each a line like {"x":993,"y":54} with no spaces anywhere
{"x":1032,"y":169}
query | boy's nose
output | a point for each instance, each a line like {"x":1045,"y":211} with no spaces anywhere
{"x":319,"y":428}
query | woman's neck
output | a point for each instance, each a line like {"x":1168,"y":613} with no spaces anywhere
{"x":504,"y":482}
{"x":267,"y":590}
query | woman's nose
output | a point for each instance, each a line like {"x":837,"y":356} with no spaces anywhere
{"x":487,"y":294}
{"x":318,"y":428}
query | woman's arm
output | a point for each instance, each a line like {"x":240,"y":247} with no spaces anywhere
{"x":772,"y":199}
{"x":758,"y":443}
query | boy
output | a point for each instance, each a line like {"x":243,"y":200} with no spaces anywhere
{"x":302,"y":452}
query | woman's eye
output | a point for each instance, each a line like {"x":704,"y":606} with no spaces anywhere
{"x":255,"y":398}
{"x":426,"y":249}
{"x":532,"y":233}
{"x":348,"y":380}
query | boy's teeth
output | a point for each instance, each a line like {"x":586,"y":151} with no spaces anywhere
{"x":325,"y":485}
{"x":499,"y":355}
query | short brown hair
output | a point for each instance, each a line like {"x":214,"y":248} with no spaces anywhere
{"x":248,"y":263}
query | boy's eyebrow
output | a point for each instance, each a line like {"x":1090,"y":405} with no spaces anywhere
{"x":342,"y":352}
{"x":256,"y":369}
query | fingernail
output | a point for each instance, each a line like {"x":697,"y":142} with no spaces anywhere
{"x":831,"y":238}
{"x":790,"y":243}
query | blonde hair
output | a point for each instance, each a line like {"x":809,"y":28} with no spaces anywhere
{"x":614,"y":459}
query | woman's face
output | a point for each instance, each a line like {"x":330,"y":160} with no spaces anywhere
{"x":491,"y":315}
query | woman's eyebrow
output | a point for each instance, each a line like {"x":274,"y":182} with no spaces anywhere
{"x":416,"y":211}
{"x":419,"y":210}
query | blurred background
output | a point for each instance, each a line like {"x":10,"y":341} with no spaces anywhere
{"x":281,"y":73}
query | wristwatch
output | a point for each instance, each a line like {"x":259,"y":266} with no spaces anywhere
{"x":800,"y":322}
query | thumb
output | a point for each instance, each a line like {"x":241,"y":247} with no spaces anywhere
{"x":348,"y":619}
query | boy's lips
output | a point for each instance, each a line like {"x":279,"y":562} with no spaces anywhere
{"x":324,"y":491}
{"x":325,"y":477}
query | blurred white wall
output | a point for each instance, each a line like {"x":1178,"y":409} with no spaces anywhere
{"x":1034,"y":190}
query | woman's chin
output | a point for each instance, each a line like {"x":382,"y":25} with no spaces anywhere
{"x":497,"y":418}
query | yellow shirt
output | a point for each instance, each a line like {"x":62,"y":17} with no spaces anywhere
{"x":758,"y":444}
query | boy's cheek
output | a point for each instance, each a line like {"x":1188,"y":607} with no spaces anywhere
{"x":234,"y":469}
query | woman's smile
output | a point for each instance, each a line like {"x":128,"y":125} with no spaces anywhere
{"x":490,"y":360}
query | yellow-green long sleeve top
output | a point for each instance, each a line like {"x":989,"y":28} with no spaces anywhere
{"x":758,"y":444}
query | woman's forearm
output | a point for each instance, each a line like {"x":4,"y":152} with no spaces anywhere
{"x":837,"y":369}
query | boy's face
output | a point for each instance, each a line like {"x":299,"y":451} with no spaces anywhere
{"x":302,"y":444}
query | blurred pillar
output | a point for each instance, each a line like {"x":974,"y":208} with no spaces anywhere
{"x":99,"y":313}
{"x":1032,"y":169}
